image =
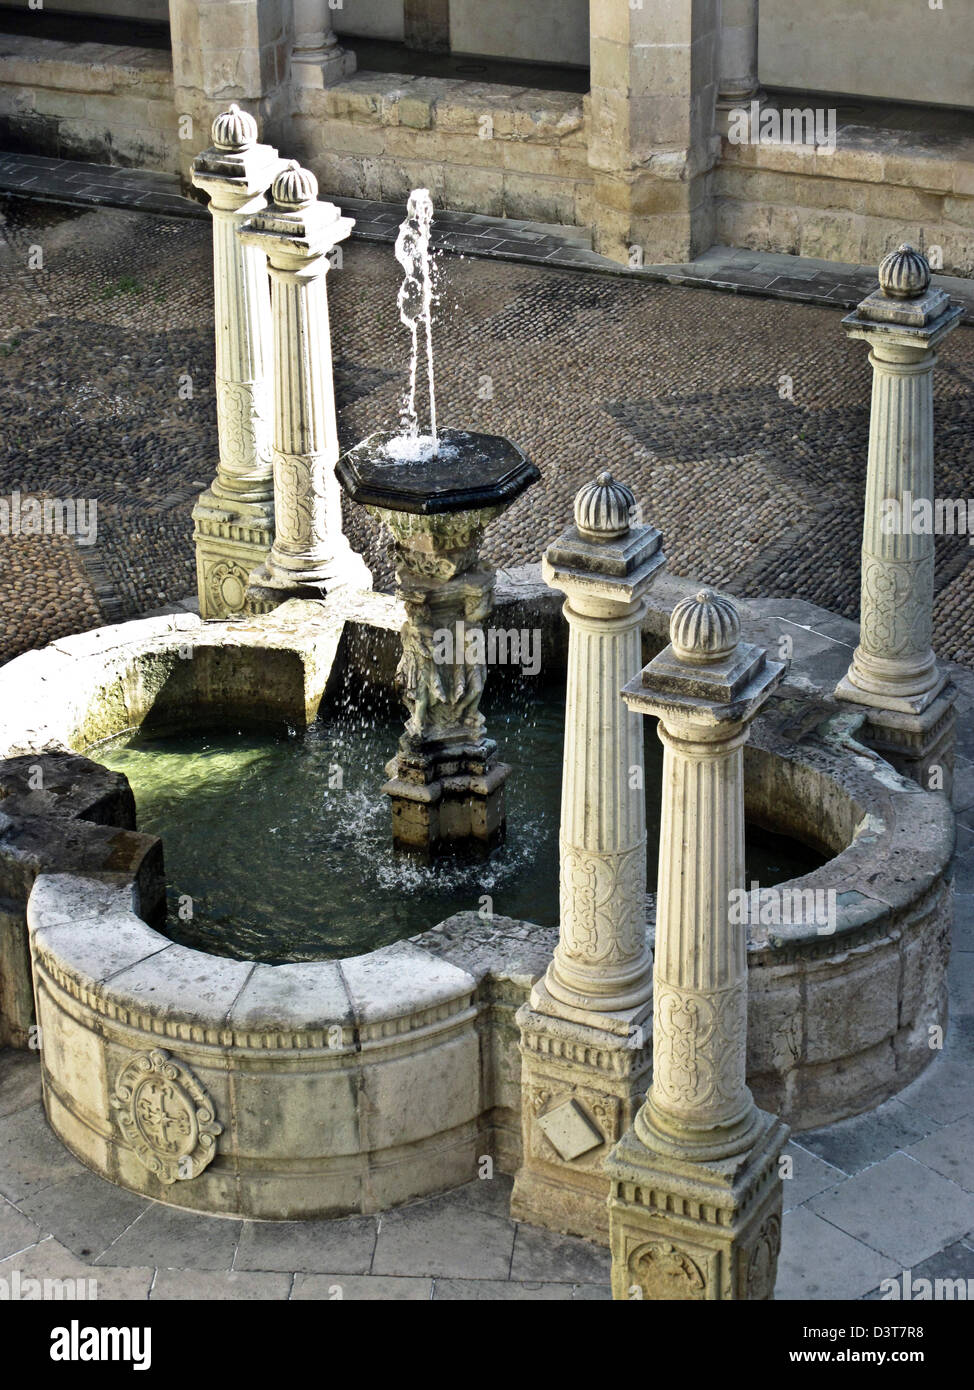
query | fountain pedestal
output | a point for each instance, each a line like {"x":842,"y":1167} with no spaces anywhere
{"x":445,"y":785}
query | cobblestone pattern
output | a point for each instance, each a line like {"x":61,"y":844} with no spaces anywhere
{"x":679,"y":392}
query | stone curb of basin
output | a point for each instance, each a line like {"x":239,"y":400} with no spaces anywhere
{"x":332,"y":1087}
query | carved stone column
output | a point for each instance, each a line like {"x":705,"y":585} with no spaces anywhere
{"x":317,"y":59}
{"x":235,"y":516}
{"x":695,"y":1208}
{"x":894,"y":671}
{"x":310,"y":555}
{"x":584,"y":1046}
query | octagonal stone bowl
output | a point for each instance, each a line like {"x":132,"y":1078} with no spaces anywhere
{"x":317,"y":1089}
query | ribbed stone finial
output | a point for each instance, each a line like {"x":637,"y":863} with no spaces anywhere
{"x":234,"y":129}
{"x":705,"y":627}
{"x":294,"y":187}
{"x":905,"y":273}
{"x":603,"y":509}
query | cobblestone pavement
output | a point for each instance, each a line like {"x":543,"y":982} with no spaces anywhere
{"x":679,"y":391}
{"x":889,"y":1191}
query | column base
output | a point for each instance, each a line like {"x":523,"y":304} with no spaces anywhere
{"x":270,"y":586}
{"x":726,"y":103}
{"x":581,"y":1086}
{"x":448,"y":803}
{"x":685,"y":1231}
{"x":232,"y":539}
{"x":322,"y":70}
{"x":920,"y":746}
{"x":883,"y":694}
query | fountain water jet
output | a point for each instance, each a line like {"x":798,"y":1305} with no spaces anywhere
{"x":416,"y":305}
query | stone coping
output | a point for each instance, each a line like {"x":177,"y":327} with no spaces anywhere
{"x":30,"y":61}
{"x":86,"y":933}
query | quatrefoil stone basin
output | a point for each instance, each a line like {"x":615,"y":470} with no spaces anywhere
{"x":468,"y":472}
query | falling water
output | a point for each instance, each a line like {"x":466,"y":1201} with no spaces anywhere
{"x":415,"y":307}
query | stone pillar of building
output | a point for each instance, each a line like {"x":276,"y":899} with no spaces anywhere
{"x":894,"y":672}
{"x":229,"y":50}
{"x":737,"y":66}
{"x":310,"y":555}
{"x":584,"y":1032}
{"x":317,"y":59}
{"x":234,"y":517}
{"x":653,"y":141}
{"x":695,"y":1205}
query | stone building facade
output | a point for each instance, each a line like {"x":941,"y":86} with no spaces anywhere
{"x":644,"y":150}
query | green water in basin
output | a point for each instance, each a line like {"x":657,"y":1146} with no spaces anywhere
{"x":277,"y":844}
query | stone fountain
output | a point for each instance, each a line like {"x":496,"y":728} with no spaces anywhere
{"x":446,"y":786}
{"x":435,"y":494}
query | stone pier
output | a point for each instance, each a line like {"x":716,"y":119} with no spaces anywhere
{"x":652,"y":142}
{"x":584,"y":1033}
{"x":310,"y":555}
{"x":894,"y":672}
{"x":695,"y":1206}
{"x":234,"y":517}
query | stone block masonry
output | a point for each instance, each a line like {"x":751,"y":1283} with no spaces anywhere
{"x":89,"y":101}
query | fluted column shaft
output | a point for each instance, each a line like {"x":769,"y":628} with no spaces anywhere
{"x":602,"y":956}
{"x":243,"y":328}
{"x":700,"y":972}
{"x":898,"y":566}
{"x":307,"y":497}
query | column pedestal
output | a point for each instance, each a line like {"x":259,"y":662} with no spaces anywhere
{"x":580,"y":1089}
{"x":697,"y":1230}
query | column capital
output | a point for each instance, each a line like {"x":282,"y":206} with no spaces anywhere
{"x":905,"y":311}
{"x":295,"y":227}
{"x":707,"y":677}
{"x":603,"y":563}
{"x":236,"y":168}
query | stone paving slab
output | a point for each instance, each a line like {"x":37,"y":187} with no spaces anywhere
{"x":343,"y":1246}
{"x":164,"y":1236}
{"x":950,"y":1152}
{"x":900,"y":1208}
{"x":206,"y":1286}
{"x":819,"y":1261}
{"x":85,"y":1213}
{"x":852,"y":1145}
{"x":437,"y":1239}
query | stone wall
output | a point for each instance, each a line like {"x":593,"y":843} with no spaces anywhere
{"x":878,"y":189}
{"x":503,"y":151}
{"x":88,"y":101}
{"x":546,"y":31}
{"x":894,"y":49}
